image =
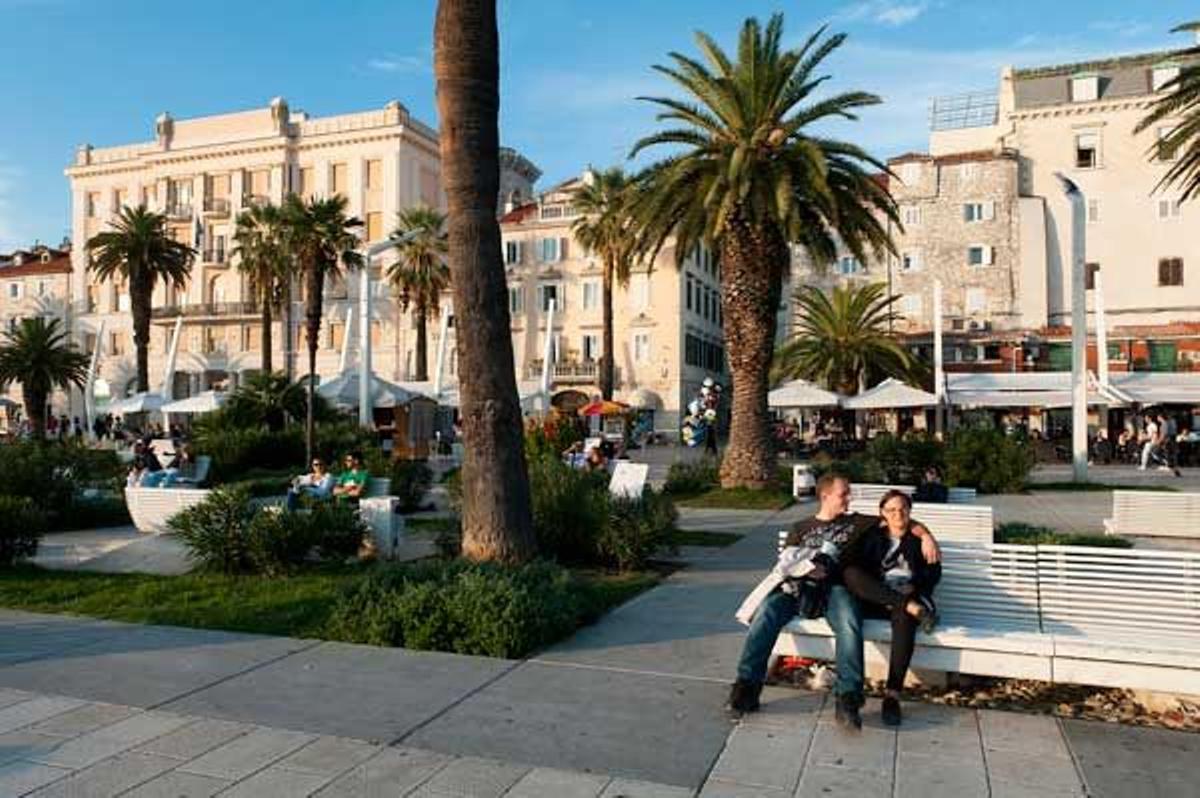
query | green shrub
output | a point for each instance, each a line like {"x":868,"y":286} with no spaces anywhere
{"x":22,"y":524}
{"x":694,"y":477}
{"x":901,"y":461}
{"x":335,"y":529}
{"x":570,"y":510}
{"x":466,"y":608}
{"x":1032,"y":534}
{"x":237,"y":451}
{"x":636,"y":530}
{"x":95,"y":513}
{"x":551,"y":436}
{"x":853,"y":468}
{"x":217,"y":531}
{"x":988,"y":460}
{"x":54,"y":475}
{"x":410,"y":481}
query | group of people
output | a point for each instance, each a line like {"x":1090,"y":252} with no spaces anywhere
{"x":319,"y":484}
{"x":845,"y":566}
{"x":147,"y":471}
{"x":597,"y":457}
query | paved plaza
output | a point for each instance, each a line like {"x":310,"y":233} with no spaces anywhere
{"x":628,"y":707}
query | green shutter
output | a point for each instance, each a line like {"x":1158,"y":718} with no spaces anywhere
{"x":1162,"y":356}
{"x":1060,"y":357}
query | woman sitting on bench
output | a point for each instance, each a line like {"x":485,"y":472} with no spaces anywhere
{"x":893,"y":581}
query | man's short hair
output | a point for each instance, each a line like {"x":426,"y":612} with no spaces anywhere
{"x":827,"y":481}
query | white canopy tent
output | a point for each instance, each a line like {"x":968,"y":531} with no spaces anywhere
{"x":891,"y":394}
{"x":205,"y":402}
{"x":801,"y":394}
{"x":1046,"y":389}
{"x":343,"y":391}
{"x":137,"y":403}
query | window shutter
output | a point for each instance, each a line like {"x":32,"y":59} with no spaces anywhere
{"x":989,"y":210}
{"x":988,"y":255}
{"x":562,"y":248}
{"x":967,"y":212}
{"x":1164,"y":272}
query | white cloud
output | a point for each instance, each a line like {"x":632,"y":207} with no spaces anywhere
{"x":883,"y":12}
{"x":399,"y":63}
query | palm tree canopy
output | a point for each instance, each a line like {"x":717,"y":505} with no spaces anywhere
{"x":420,"y":273}
{"x":38,"y":354}
{"x":842,"y":337}
{"x":261,"y":252}
{"x":603,"y":222}
{"x":140,"y":249}
{"x":1181,"y":101}
{"x":745,"y":154}
{"x":320,"y":234}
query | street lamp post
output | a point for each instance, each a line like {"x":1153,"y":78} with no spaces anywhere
{"x":1079,"y":449}
{"x":364,"y":326}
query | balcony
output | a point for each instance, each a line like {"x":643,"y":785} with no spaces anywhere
{"x":213,"y":256}
{"x":250,"y":200}
{"x":566,"y":372}
{"x":179,"y":210}
{"x":206,"y":310}
{"x":216,"y":206}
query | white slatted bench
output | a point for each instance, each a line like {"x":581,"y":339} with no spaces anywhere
{"x":872,"y":491}
{"x":1155,"y":513}
{"x":1122,"y":617}
{"x":988,"y":602}
{"x":958,"y":523}
{"x":151,"y":508}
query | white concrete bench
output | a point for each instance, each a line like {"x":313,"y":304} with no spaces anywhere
{"x":1122,"y":617}
{"x":1156,"y":513}
{"x":872,"y":491}
{"x":988,"y":602}
{"x":958,"y":523}
{"x":151,"y":508}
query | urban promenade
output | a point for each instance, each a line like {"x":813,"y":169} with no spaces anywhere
{"x":631,"y":706}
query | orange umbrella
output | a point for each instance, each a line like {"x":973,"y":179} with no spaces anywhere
{"x":600,"y":407}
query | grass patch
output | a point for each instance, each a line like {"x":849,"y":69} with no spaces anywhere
{"x":737,"y":499}
{"x":699,"y":537}
{"x":1089,"y":487}
{"x":1031,"y":534}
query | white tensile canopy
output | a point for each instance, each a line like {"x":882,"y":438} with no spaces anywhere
{"x":890,"y":395}
{"x":1158,"y":387}
{"x":343,"y":391}
{"x":1045,"y":389}
{"x":137,"y":403}
{"x":205,"y":402}
{"x":800,"y":394}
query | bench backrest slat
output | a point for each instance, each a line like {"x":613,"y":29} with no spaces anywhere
{"x":1156,"y":513}
{"x":873,"y":491}
{"x":966,"y":523}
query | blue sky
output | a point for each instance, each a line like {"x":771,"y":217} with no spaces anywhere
{"x":79,"y":71}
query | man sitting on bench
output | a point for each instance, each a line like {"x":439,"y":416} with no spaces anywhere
{"x":825,"y":543}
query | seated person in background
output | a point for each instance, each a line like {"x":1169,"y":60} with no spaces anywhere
{"x":931,"y":488}
{"x":318,"y":484}
{"x":596,"y":461}
{"x":146,"y":463}
{"x":574,"y":456}
{"x":352,"y":483}
{"x":181,"y":469}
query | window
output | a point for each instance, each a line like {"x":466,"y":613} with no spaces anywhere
{"x":93,"y":298}
{"x":968,"y":172}
{"x":1165,"y":152}
{"x":374,"y":226}
{"x":979,"y":255}
{"x":1168,"y":209}
{"x":591,"y":294}
{"x":1170,"y":271}
{"x":338,"y":183}
{"x":591,"y":347}
{"x":849,"y":264}
{"x":251,"y":338}
{"x":307,"y":182}
{"x":912,"y":215}
{"x":149,"y":195}
{"x":1085,"y":88}
{"x":513,"y":252}
{"x":1087,"y":150}
{"x":374,"y":175}
{"x":551,"y":250}
{"x":546,"y":295}
{"x":910,"y":261}
{"x":979,"y":211}
{"x":1089,"y":275}
{"x":116,"y":343}
{"x":516,"y":300}
{"x":121,"y":199}
{"x":1163,"y":74}
{"x":690,"y":283}
{"x":976,"y":301}
{"x":641,"y":347}
{"x":639,"y":292}
{"x":14,"y":290}
{"x":910,"y":173}
{"x":1093,"y":210}
{"x":91,"y":204}
{"x":43,"y":288}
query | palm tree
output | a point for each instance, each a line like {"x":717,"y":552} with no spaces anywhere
{"x":841,"y":339}
{"x":263,"y":258}
{"x":140,"y":249}
{"x":420,"y":273}
{"x":321,"y":238}
{"x":270,"y":399}
{"x":747,"y":177}
{"x":1182,"y":101}
{"x":38,"y":355}
{"x":497,"y":520}
{"x":603,"y":227}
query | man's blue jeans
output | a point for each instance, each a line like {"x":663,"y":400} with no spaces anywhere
{"x":778,"y":609}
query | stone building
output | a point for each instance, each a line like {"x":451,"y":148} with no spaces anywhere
{"x":34,"y":282}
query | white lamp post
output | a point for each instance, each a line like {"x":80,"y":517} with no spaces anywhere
{"x":364,"y":326}
{"x":1078,"y":328}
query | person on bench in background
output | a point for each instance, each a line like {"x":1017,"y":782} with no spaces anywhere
{"x":892,"y":580}
{"x":352,"y":484}
{"x":931,"y":489}
{"x":808,"y":581}
{"x":318,"y":484}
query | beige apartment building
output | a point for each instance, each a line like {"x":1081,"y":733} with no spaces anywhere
{"x":34,"y":282}
{"x":202,"y":173}
{"x":666,"y":322}
{"x":984,"y":212}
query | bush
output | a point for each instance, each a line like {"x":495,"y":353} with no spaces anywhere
{"x":901,"y":461}
{"x":22,"y":525}
{"x":636,"y":530}
{"x":95,"y":513}
{"x":217,"y":531}
{"x":551,"y":436}
{"x":237,"y":451}
{"x":694,"y":477}
{"x":1031,"y":534}
{"x":466,"y":608}
{"x":54,"y":475}
{"x":570,"y":510}
{"x":988,"y":460}
{"x":410,"y":481}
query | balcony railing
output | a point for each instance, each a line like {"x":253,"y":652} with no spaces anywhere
{"x":206,"y":309}
{"x":588,"y":371}
{"x":249,"y":200}
{"x":216,"y":206}
{"x":214,"y":256}
{"x":179,"y":210}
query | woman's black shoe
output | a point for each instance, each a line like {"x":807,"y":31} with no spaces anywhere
{"x":846,"y":712}
{"x":743,"y":698}
{"x":891,"y":711}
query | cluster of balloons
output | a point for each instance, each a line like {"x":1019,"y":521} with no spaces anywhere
{"x":701,"y":417}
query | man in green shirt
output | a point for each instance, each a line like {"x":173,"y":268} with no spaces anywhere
{"x":352,"y":483}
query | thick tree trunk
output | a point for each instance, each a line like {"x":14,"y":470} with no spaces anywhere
{"x":35,"y":408}
{"x":752,"y":265}
{"x":607,"y":377}
{"x":140,"y":300}
{"x":314,"y":290}
{"x":422,"y":343}
{"x":497,"y":516}
{"x":266,"y":336}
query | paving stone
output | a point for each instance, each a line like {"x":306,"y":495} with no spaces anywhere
{"x":1013,"y":731}
{"x":330,"y":756}
{"x":390,"y":772}
{"x":90,"y":748}
{"x":21,"y":777}
{"x":923,"y":777}
{"x":244,"y":755}
{"x":541,"y":782}
{"x":179,"y":785}
{"x":35,"y":710}
{"x":195,"y":739}
{"x":817,"y":780}
{"x":10,"y":697}
{"x":472,"y":777}
{"x":278,"y":783}
{"x":1119,"y":761}
{"x":721,"y":789}
{"x":871,"y":750}
{"x":108,"y":777}
{"x":86,"y":718}
{"x":27,"y":745}
{"x":763,"y":757}
{"x":1050,"y":772}
{"x":1006,"y":789}
{"x":631,"y":788}
{"x":785,"y":708}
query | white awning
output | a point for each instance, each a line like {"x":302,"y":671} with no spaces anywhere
{"x":1053,"y":389}
{"x":890,"y":394}
{"x":205,"y":402}
{"x":1159,"y":387}
{"x":137,"y":403}
{"x":343,"y":392}
{"x":802,"y":393}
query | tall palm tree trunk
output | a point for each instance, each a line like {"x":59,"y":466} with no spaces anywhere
{"x":289,"y":357}
{"x":607,"y":376}
{"x":266,"y":336}
{"x":422,"y":343}
{"x":497,"y":515}
{"x":750,"y":297}
{"x":312,"y":320}
{"x":35,"y":408}
{"x":140,"y":298}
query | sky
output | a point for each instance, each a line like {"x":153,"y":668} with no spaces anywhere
{"x":76,"y":71}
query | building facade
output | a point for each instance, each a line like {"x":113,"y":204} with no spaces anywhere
{"x":34,"y":282}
